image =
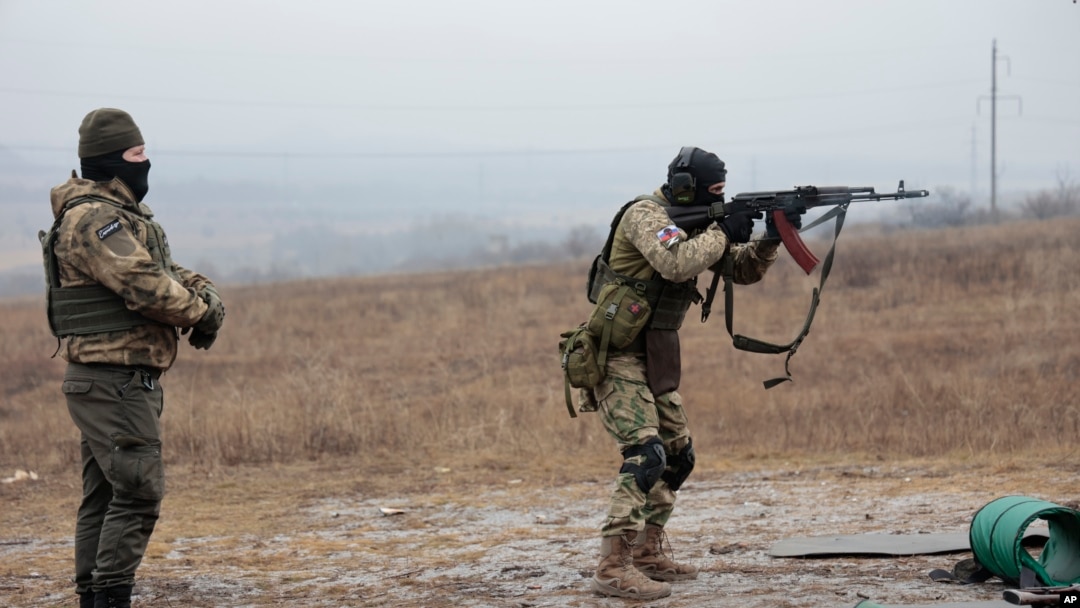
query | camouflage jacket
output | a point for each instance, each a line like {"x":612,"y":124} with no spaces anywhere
{"x":106,"y":243}
{"x":638,"y":250}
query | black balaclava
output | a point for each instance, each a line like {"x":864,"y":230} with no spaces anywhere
{"x":107,"y":166}
{"x":708,"y":170}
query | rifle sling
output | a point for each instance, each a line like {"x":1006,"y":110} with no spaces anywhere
{"x":760,"y":346}
{"x":566,"y":377}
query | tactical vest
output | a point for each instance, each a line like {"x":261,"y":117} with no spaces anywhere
{"x":92,"y":309}
{"x":669,"y":300}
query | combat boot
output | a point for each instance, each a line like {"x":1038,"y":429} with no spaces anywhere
{"x":113,"y":597}
{"x":617,"y":576}
{"x":86,"y":599}
{"x":649,"y":558}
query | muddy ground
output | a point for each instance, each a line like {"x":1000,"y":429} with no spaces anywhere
{"x":282,"y":538}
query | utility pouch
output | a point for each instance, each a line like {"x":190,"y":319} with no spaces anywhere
{"x":580,"y":360}
{"x":621,"y":312}
{"x":582,"y":364}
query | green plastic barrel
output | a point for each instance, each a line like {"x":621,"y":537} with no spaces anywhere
{"x":997,"y":534}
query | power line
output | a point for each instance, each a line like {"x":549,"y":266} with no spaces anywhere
{"x":488,"y":108}
{"x":378,"y":56}
{"x":1064,"y":83}
{"x":522,"y":152}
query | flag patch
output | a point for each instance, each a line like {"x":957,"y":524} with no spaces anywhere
{"x":668,"y":236}
{"x":108,"y":229}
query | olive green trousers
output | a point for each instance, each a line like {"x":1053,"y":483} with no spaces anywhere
{"x":117,"y":410}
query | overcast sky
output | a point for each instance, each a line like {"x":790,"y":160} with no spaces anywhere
{"x":786,"y":91}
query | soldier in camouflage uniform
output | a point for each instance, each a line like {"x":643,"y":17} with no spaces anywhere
{"x":118,"y":299}
{"x":637,"y":400}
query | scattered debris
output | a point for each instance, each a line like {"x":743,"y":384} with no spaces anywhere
{"x":729,"y":548}
{"x":20,"y":475}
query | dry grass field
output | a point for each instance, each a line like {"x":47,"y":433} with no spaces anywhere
{"x":950,"y":353}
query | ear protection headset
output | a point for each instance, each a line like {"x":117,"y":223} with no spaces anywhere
{"x":682,"y":182}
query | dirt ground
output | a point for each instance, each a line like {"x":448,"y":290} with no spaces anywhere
{"x":323,"y":535}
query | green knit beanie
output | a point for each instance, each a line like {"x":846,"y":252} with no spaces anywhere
{"x":107,"y":130}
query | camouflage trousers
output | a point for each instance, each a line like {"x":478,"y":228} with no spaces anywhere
{"x":632,"y":414}
{"x":117,"y":410}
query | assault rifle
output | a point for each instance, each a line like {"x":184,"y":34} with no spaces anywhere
{"x":1039,"y":596}
{"x":776,"y":202}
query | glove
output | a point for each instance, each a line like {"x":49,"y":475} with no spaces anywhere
{"x":214,"y":317}
{"x":794,"y":217}
{"x":201,"y":339}
{"x":737,"y":227}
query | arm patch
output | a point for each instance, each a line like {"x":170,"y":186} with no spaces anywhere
{"x":108,"y":229}
{"x":668,"y":236}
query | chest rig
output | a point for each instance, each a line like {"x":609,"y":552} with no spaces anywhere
{"x":92,"y":309}
{"x":669,"y":300}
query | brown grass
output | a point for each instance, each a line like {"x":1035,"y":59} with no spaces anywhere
{"x":958,"y":343}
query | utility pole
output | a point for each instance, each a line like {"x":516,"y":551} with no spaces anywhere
{"x":993,"y":130}
{"x":974,"y":163}
{"x":993,"y":125}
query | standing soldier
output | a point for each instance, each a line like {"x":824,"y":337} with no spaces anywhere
{"x":116,"y":295}
{"x":637,"y":398}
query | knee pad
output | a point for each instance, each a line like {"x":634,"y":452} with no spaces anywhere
{"x":651,"y":467}
{"x":681,"y":464}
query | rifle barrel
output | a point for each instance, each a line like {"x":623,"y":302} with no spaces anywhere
{"x":844,"y":190}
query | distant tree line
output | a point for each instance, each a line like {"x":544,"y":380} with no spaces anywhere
{"x":949,"y":208}
{"x":448,"y":244}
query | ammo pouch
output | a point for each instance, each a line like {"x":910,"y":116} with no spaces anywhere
{"x":582,"y":364}
{"x":675,"y":299}
{"x":663,"y":362}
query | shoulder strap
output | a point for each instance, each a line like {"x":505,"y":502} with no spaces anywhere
{"x":88,"y":198}
{"x":653,"y":198}
{"x":759,"y":346}
{"x":600,"y":263}
{"x":48,"y":239}
{"x":606,"y":252}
